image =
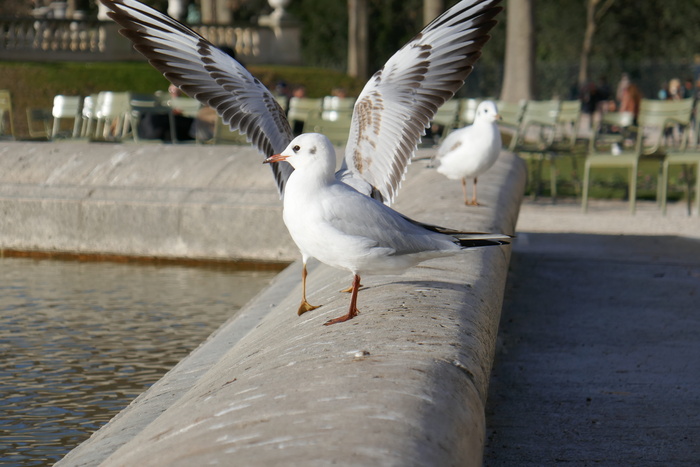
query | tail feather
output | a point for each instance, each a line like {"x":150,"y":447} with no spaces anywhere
{"x":467,"y":239}
{"x":471,"y":240}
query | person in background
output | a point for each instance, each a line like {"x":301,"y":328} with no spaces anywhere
{"x":675,"y":90}
{"x":298,"y":125}
{"x":662,"y":95}
{"x":299,"y":91}
{"x":630,"y":99}
{"x":282,"y":94}
{"x":621,"y":86}
{"x":157,"y":125}
{"x":688,"y":88}
{"x":339,"y":92}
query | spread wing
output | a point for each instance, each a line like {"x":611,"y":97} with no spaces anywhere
{"x":400,"y":100}
{"x":209,"y":75}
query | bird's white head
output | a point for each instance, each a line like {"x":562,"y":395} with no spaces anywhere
{"x":487,"y":112}
{"x":310,"y":151}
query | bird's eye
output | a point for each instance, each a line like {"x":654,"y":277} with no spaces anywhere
{"x":296,"y":148}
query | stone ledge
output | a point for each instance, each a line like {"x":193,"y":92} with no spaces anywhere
{"x":405,"y":383}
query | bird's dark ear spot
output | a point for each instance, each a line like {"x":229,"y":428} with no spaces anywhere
{"x":313,"y":150}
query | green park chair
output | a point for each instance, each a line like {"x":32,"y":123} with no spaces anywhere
{"x":337,"y":131}
{"x":650,"y":134}
{"x":39,"y":123}
{"x":511,"y":119}
{"x":467,"y":110}
{"x":548,"y":131}
{"x":299,"y":110}
{"x":447,"y":117}
{"x":337,"y":108}
{"x":223,"y":134}
{"x":687,"y":158}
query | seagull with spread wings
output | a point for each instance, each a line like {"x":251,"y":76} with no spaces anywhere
{"x":341,"y":218}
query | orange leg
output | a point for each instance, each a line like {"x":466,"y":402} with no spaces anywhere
{"x":474,"y":202}
{"x":352,"y":312}
{"x":305,"y":306}
{"x":464,"y":191}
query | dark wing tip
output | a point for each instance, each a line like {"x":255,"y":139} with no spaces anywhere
{"x":472,"y":243}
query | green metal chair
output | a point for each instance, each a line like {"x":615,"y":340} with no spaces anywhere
{"x":141,"y":105}
{"x":299,"y":110}
{"x":511,"y":121}
{"x":687,"y":158}
{"x":554,"y":125}
{"x":654,"y":118}
{"x":223,"y":134}
{"x":447,"y":117}
{"x":539,"y":116}
{"x":337,"y":131}
{"x":39,"y":123}
{"x":467,"y":110}
{"x":566,"y":126}
{"x":337,"y":108}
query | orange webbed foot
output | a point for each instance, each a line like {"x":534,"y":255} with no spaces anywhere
{"x":306,"y":306}
{"x":343,"y":318}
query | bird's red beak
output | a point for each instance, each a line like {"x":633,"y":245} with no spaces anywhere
{"x":275,"y":158}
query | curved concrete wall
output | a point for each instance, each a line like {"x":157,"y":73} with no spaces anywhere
{"x":171,"y":201}
{"x":404,"y":383}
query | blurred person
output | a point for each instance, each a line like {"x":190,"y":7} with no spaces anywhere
{"x":688,"y":88}
{"x":298,"y":125}
{"x":675,"y":90}
{"x":588,"y":97}
{"x":282,"y":93}
{"x":621,"y":87}
{"x":339,"y":92}
{"x":156,"y":125}
{"x":299,"y":91}
{"x":630,"y":99}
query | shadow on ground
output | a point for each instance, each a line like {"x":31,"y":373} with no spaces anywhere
{"x":598,"y":361}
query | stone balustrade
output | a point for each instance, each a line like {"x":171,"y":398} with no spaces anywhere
{"x":30,"y":39}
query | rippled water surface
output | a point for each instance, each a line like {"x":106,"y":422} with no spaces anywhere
{"x":80,"y":340}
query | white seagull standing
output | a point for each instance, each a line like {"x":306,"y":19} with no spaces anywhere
{"x":345,"y":229}
{"x":330,"y":216}
{"x":472,"y":150}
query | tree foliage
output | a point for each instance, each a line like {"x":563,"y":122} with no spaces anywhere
{"x":652,"y":39}
{"x":392,"y":23}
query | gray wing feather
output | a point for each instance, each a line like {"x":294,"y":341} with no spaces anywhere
{"x":209,"y":75}
{"x":401,"y":99}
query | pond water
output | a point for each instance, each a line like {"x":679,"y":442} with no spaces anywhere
{"x":80,"y":340}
